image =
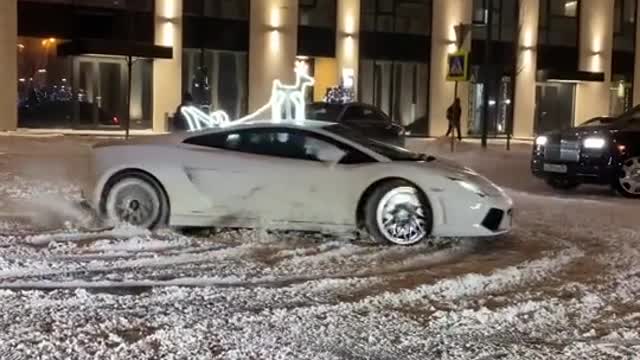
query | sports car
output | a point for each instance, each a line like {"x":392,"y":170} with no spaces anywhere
{"x":316,"y":176}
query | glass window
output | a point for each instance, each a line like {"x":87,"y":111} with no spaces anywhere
{"x":624,"y":25}
{"x":621,"y":90}
{"x":564,"y":8}
{"x":284,"y":143}
{"x":318,"y":13}
{"x":45,"y":93}
{"x":504,"y":19}
{"x":620,"y":96}
{"x":399,"y":89}
{"x":559,"y":22}
{"x":399,"y":16}
{"x":397,"y":84}
{"x":554,"y":107}
{"x":358,"y":113}
{"x":83,"y":91}
{"x":217,"y":80}
{"x":479,"y":12}
{"x":222,"y":9}
{"x":138,"y":5}
{"x":499,"y":105}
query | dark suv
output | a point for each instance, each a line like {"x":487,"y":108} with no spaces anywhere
{"x":603,"y":151}
{"x":366,"y":119}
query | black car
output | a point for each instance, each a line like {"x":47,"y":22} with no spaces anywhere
{"x":603,"y":150}
{"x":367,"y":119}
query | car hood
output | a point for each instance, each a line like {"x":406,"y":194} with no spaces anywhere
{"x":581,"y":132}
{"x":455,"y":171}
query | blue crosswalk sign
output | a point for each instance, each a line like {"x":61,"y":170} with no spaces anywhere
{"x":457,"y":65}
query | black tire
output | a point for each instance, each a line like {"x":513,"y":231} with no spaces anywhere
{"x":371,"y":206}
{"x":161,"y":219}
{"x":563,"y":183}
{"x":617,"y":183}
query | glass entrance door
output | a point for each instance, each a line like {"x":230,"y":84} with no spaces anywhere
{"x":555,"y":103}
{"x":399,"y":89}
{"x":101,"y":85}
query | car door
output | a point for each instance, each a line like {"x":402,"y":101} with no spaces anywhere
{"x":265,"y":176}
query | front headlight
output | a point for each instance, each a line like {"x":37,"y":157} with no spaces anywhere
{"x":594,"y":143}
{"x":541,"y":140}
{"x":469,"y":186}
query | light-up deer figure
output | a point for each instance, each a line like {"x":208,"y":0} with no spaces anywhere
{"x":198,"y":120}
{"x":285,"y":99}
{"x":290,"y":100}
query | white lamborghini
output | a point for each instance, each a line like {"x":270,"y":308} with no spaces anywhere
{"x":313,"y":177}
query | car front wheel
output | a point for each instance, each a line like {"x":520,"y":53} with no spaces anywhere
{"x":628,"y":181}
{"x":137,"y":199}
{"x":397,"y":213}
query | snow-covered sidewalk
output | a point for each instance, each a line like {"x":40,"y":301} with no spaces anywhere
{"x":564,"y":285}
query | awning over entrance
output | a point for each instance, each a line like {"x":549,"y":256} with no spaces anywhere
{"x":551,"y":75}
{"x":114,"y":48}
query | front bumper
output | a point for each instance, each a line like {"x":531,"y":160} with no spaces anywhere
{"x":586,"y":170}
{"x":481,"y":217}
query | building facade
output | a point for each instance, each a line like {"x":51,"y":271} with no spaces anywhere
{"x":535,"y":65}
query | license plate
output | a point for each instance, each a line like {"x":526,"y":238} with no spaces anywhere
{"x":555,"y":168}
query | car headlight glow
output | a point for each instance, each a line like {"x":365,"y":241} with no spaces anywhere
{"x":470,"y":187}
{"x":594,"y":143}
{"x":541,"y":140}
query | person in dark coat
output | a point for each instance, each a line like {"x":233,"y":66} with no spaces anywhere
{"x":179,"y":121}
{"x":454,"y":113}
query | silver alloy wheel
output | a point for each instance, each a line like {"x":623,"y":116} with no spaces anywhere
{"x":631,"y":180}
{"x":400,"y":216}
{"x":133,"y":201}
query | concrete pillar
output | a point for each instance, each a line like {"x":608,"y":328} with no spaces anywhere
{"x":447,"y":14}
{"x":167,"y":73}
{"x":273,"y":43}
{"x":636,"y":73}
{"x":525,"y":90}
{"x":596,"y":51}
{"x":348,"y":39}
{"x":8,"y":64}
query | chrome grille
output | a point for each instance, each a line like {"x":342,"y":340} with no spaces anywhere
{"x":565,"y":151}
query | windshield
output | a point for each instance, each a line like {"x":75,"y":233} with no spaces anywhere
{"x":599,"y":121}
{"x":632,"y":114}
{"x":392,"y":152}
{"x":322,"y":112}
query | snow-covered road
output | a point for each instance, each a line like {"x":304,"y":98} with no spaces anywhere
{"x":564,"y":285}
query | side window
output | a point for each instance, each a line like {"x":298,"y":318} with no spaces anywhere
{"x":284,"y":143}
{"x":209,"y":140}
{"x":364,"y":113}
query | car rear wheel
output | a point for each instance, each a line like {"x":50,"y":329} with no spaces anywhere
{"x":399,"y":214}
{"x":563,"y":183}
{"x":136,"y":199}
{"x":628,"y":181}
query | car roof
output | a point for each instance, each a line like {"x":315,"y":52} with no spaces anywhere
{"x":260,"y":124}
{"x":180,"y":136}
